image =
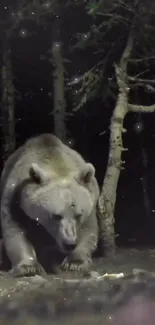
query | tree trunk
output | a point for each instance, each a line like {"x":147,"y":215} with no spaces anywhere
{"x":107,"y":200}
{"x":59,"y":110}
{"x":8,"y":105}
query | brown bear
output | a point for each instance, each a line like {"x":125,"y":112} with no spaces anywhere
{"x":47,"y":181}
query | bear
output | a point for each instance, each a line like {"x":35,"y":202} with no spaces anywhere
{"x":46,"y":181}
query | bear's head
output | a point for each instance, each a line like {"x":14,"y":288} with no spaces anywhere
{"x":61,"y":205}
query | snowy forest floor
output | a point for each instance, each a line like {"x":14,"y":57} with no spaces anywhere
{"x":37,"y":300}
{"x":125,"y":261}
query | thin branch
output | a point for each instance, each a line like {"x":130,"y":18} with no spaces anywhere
{"x":141,"y":80}
{"x":114,"y":17}
{"x":142,"y":59}
{"x":141,"y":108}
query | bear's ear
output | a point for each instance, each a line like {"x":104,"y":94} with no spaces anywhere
{"x":87,"y":173}
{"x":36,"y":173}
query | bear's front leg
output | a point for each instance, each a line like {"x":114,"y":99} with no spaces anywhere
{"x":81,"y":258}
{"x":77,"y":261}
{"x":20,"y":252}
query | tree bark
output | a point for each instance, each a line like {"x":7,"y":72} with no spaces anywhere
{"x":107,"y":200}
{"x":8,"y":105}
{"x":59,"y":110}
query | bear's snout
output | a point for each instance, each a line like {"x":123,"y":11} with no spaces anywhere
{"x":68,"y":235}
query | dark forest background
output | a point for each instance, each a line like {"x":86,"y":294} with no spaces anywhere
{"x":88,"y":127}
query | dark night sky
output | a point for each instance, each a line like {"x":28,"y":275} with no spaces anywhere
{"x":33,"y":80}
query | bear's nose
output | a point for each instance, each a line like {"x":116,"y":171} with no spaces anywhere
{"x":69,"y":247}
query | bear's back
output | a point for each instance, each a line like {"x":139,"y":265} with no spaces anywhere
{"x":48,"y":152}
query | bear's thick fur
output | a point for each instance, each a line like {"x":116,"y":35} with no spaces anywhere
{"x":49,"y":182}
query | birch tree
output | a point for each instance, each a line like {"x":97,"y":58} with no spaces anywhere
{"x":123,"y":32}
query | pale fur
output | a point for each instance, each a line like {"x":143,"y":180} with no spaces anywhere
{"x":62,"y":167}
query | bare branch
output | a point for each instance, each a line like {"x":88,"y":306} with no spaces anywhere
{"x":89,"y":81}
{"x":142,"y":59}
{"x":141,"y":80}
{"x":114,"y":17}
{"x":141,"y":108}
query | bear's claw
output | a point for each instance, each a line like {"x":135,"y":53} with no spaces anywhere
{"x":27,"y":270}
{"x":72,"y":265}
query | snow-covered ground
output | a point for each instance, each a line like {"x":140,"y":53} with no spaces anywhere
{"x":68,"y":298}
